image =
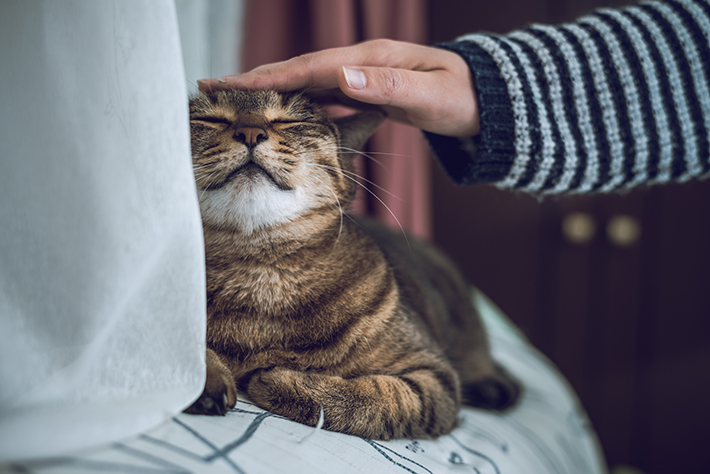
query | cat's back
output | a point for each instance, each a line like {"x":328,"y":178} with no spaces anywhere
{"x":430,"y":285}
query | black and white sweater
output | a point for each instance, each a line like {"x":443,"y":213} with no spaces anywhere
{"x":616,"y":99}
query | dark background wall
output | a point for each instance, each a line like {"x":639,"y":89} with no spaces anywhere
{"x":614,"y":288}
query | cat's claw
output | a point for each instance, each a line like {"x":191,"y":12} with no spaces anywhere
{"x":208,"y":405}
{"x":220,"y":393}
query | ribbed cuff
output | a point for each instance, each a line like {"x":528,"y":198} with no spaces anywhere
{"x":488,"y":157}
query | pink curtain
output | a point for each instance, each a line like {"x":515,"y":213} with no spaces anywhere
{"x":280,"y":29}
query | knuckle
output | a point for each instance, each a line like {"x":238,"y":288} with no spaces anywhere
{"x":381,"y":43}
{"x":304,"y":60}
{"x":381,"y":48}
{"x":392,"y":83}
{"x":304,"y":65}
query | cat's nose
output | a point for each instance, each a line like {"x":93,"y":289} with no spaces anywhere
{"x":250,"y":136}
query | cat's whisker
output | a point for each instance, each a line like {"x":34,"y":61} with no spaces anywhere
{"x":212,"y":150}
{"x":369,"y":154}
{"x":198,"y":167}
{"x":340,"y":208}
{"x":307,"y":89}
{"x":353,"y":150}
{"x":192,"y":83}
{"x":207,"y":179}
{"x":399,"y":224}
{"x":323,"y":151}
{"x":350,"y":150}
{"x":317,"y":428}
{"x":355,"y":175}
{"x":367,"y":341}
{"x":360,"y":152}
{"x":210,"y":61}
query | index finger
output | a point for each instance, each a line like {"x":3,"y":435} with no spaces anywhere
{"x":314,"y":70}
{"x":319,"y":70}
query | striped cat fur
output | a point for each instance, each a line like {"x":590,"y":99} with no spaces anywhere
{"x":309,"y":309}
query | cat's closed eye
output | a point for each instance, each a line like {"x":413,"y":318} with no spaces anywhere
{"x":286,"y":121}
{"x":213,"y":121}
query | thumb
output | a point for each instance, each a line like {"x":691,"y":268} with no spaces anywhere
{"x":377,"y":85}
{"x":401,"y":92}
{"x":424,"y":99}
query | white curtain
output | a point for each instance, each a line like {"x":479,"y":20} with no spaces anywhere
{"x":210,"y":32}
{"x":102,"y":301}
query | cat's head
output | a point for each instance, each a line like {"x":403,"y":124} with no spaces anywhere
{"x":263,"y":159}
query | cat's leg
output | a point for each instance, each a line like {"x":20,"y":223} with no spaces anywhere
{"x":220,"y":393}
{"x":459,"y":328}
{"x":418,"y":404}
{"x":496,"y":389}
{"x":485,"y":383}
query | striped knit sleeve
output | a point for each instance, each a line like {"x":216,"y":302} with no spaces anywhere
{"x":617,"y":99}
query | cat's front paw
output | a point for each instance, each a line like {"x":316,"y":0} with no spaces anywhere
{"x":220,"y":393}
{"x":286,"y":392}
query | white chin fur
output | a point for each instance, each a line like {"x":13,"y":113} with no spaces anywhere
{"x":252,"y":207}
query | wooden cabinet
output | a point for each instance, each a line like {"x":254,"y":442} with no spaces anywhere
{"x":615,"y":289}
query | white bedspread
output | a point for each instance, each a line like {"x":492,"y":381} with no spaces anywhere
{"x":548,"y":433}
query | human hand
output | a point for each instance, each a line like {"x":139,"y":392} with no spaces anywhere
{"x":429,"y":88}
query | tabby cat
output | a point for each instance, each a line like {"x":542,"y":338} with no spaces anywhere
{"x":313,"y":313}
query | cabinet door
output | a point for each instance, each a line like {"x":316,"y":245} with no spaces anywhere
{"x":613,"y":288}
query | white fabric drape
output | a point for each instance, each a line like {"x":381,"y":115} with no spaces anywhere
{"x":102,"y":300}
{"x":210,"y":32}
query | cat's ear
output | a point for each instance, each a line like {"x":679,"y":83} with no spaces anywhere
{"x":355,"y":129}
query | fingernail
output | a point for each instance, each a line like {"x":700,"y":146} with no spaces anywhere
{"x":354,"y":77}
{"x":204,"y":85}
{"x":222,"y":81}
